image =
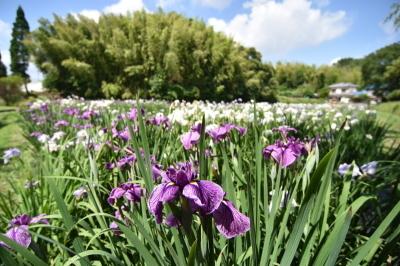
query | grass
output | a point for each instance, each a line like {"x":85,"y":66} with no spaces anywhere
{"x":10,"y":130}
{"x":286,"y":99}
{"x":11,"y":136}
{"x":389,"y":113}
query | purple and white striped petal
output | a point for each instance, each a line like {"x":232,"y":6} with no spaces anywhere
{"x":229,"y":221}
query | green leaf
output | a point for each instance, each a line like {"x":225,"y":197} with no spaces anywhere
{"x":375,"y":237}
{"x":29,"y":256}
{"x":138,"y":245}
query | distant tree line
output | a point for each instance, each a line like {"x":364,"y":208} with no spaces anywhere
{"x":168,"y":56}
{"x":379,"y":71}
{"x":160,"y":55}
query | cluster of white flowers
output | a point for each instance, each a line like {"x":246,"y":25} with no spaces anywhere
{"x":185,"y":113}
{"x":325,"y":117}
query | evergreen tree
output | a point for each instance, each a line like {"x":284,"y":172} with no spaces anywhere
{"x":3,"y":69}
{"x":18,"y":51}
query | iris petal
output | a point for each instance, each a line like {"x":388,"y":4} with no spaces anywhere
{"x":20,"y":234}
{"x":229,"y":221}
{"x":155,"y":204}
{"x":192,"y":192}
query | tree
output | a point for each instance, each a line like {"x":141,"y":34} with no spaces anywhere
{"x":394,"y":15}
{"x":3,"y":69}
{"x":375,"y":65}
{"x":155,"y":55}
{"x":392,"y":74}
{"x":18,"y":51}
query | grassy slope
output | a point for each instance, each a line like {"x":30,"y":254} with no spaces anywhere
{"x":10,"y":131}
{"x":11,"y":136}
{"x":390,"y":113}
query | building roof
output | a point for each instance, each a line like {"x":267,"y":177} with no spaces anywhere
{"x":343,"y":85}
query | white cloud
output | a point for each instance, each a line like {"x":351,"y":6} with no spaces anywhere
{"x":90,"y":13}
{"x":389,"y":29}
{"x":278,"y":27}
{"x":334,"y":60}
{"x":5,"y":57}
{"x":124,"y":6}
{"x":168,"y":3}
{"x":121,"y":7}
{"x":5,"y":34}
{"x":217,"y":4}
{"x":322,"y":3}
{"x":5,"y":28}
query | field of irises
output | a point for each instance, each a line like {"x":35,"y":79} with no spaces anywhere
{"x":158,"y":183}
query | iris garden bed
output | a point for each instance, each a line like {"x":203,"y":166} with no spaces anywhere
{"x":158,"y":183}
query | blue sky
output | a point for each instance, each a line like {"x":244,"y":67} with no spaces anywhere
{"x":310,"y":31}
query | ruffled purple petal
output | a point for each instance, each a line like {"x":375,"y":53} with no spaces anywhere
{"x":20,"y":234}
{"x":183,"y":177}
{"x":193,"y":193}
{"x":213,"y":195}
{"x":39,"y":219}
{"x":170,"y":193}
{"x":189,"y":139}
{"x":155,"y":203}
{"x":22,"y":219}
{"x":115,"y":194}
{"x":288,"y":157}
{"x":206,"y":195}
{"x":229,"y":221}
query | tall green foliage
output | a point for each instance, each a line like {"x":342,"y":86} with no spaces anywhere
{"x":18,"y":50}
{"x":159,"y":55}
{"x":375,"y":65}
{"x":394,"y":15}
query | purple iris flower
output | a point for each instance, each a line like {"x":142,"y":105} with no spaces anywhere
{"x":114,"y":226}
{"x":157,"y":172}
{"x":343,"y":168}
{"x":124,"y":134}
{"x":44,"y":107}
{"x":229,"y":221}
{"x":190,"y":139}
{"x":204,"y":196}
{"x":197,"y":127}
{"x":130,"y":191}
{"x":36,"y":134}
{"x":80,"y":193}
{"x":11,"y":153}
{"x":160,"y":120}
{"x":126,"y":161}
{"x":242,"y":130}
{"x":71,"y":111}
{"x":132,"y":115}
{"x":284,"y":130}
{"x":109,"y":166}
{"x":369,"y":168}
{"x":61,"y":123}
{"x":220,"y":133}
{"x":285,"y":153}
{"x":88,"y":114}
{"x":19,"y":226}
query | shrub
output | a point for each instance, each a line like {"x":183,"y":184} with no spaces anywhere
{"x":393,"y":96}
{"x":10,"y":89}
